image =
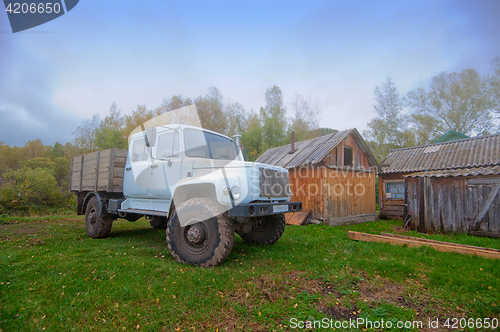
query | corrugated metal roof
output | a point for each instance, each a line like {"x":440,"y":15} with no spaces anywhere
{"x":467,"y":153}
{"x":473,"y":171}
{"x":312,"y":151}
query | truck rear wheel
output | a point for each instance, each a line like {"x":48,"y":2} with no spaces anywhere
{"x":97,"y":226}
{"x":265,"y":230}
{"x":208,"y":241}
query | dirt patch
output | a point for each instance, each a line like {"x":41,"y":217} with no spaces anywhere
{"x":341,"y":312}
{"x":337,"y":301}
{"x":399,"y":230}
{"x":386,"y":291}
{"x":329,"y":288}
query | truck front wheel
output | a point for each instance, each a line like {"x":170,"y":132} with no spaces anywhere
{"x":265,"y":230}
{"x":207,"y":240}
{"x":97,"y":226}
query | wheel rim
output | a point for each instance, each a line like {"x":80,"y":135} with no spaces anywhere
{"x":261,"y":225}
{"x":92,"y":217}
{"x":197,"y":237}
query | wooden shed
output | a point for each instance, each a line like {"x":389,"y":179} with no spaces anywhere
{"x":446,"y":187}
{"x":332,"y":175}
{"x":456,"y":201}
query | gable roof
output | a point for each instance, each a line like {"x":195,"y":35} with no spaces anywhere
{"x":312,"y":151}
{"x":465,"y":153}
{"x":452,"y":135}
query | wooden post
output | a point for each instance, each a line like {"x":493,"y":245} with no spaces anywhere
{"x":111,"y":168}
{"x":81,"y":173}
{"x":97,"y":170}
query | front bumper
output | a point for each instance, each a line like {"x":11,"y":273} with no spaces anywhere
{"x":264,"y":209}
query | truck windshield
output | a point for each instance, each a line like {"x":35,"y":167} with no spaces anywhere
{"x":202,"y":144}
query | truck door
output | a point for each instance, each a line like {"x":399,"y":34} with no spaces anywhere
{"x":136,"y":181}
{"x":166,"y":166}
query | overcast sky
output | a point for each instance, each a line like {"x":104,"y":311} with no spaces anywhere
{"x":138,"y":52}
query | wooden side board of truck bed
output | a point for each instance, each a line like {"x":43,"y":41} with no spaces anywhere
{"x":99,"y":171}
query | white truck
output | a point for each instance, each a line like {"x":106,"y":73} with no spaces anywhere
{"x":190,"y":181}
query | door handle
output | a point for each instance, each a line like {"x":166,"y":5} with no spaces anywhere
{"x":154,"y":166}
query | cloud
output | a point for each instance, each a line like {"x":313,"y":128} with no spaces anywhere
{"x":139,"y":53}
{"x":26,"y":92}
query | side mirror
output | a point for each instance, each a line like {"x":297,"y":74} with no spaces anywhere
{"x":150,"y":136}
{"x":244,"y":152}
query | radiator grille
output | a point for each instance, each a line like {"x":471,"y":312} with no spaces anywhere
{"x":274,"y":183}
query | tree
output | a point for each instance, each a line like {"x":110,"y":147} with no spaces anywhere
{"x":211,"y":111}
{"x":251,"y":137}
{"x":324,"y":131}
{"x":136,"y":119}
{"x":426,"y":128}
{"x":273,"y":117}
{"x":114,"y":120}
{"x":41,"y":162}
{"x":456,"y":101}
{"x":236,"y":119}
{"x":107,"y":138}
{"x":85,"y":134}
{"x":175,"y":102}
{"x":56,"y":151}
{"x":61,"y":172}
{"x":306,"y":117}
{"x":34,"y":149}
{"x":494,"y":82}
{"x":389,"y":129}
{"x":109,"y":134}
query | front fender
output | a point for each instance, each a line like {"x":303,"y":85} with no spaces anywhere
{"x":185,"y":192}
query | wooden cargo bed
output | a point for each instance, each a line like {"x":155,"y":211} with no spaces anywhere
{"x":99,"y":171}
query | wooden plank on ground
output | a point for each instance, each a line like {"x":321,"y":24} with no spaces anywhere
{"x":298,"y":218}
{"x":485,"y":234}
{"x":435,"y":241}
{"x":352,"y":219}
{"x":416,"y":242}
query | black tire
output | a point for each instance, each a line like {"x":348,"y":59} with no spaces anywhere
{"x":265,"y":230}
{"x":206,"y":243}
{"x":158,"y":222}
{"x":97,"y":227}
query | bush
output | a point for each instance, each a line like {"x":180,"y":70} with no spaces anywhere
{"x":27,"y":187}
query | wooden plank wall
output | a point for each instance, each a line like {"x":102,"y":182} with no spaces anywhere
{"x":330,"y":191}
{"x":99,"y":171}
{"x":450,"y":204}
{"x":337,"y":155}
{"x":334,"y":193}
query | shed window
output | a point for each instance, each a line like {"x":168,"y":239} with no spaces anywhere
{"x":347,"y":156}
{"x":395,"y":190}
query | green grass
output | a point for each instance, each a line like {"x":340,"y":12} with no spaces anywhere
{"x":53,"y":276}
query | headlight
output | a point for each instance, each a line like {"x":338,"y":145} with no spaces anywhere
{"x":236,"y":192}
